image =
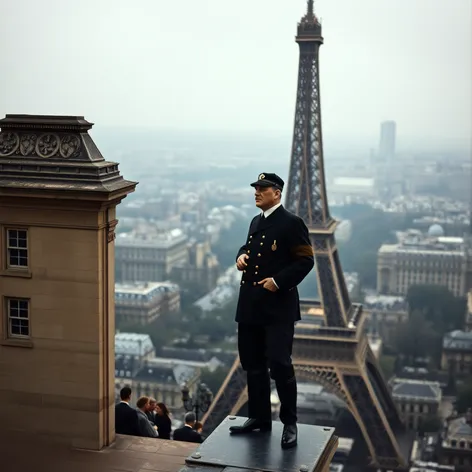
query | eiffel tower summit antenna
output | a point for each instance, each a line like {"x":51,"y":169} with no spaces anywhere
{"x":310,"y":9}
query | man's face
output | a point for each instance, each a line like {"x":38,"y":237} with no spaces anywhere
{"x":266,"y":197}
{"x":151,"y":406}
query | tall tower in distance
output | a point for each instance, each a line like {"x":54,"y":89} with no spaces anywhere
{"x":337,"y":354}
{"x":306,"y":185}
{"x":388,"y":137}
{"x":388,"y":177}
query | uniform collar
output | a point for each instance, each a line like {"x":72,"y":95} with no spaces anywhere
{"x":271,"y":210}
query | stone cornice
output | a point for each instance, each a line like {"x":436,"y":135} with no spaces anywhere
{"x":54,"y":153}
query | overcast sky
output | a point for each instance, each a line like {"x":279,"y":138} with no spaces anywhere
{"x":220,"y":64}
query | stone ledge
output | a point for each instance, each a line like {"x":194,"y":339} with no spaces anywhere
{"x":10,"y":342}
{"x":26,"y":453}
{"x":26,"y":274}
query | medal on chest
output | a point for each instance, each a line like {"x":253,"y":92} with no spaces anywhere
{"x":274,"y":246}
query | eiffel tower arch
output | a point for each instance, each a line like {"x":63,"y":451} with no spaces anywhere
{"x":336,"y":353}
{"x":347,"y":369}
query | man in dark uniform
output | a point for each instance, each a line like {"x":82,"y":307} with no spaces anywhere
{"x":276,"y":257}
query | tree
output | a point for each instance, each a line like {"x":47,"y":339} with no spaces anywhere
{"x":430,"y":424}
{"x":190,"y":292}
{"x":464,"y":397}
{"x":370,"y":229}
{"x":387,"y":366}
{"x":217,"y":324}
{"x":161,"y":331}
{"x":417,"y":338}
{"x":439,"y":305}
{"x":229,"y":241}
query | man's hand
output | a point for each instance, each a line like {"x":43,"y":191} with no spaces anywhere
{"x":269,"y":284}
{"x":241,"y":263}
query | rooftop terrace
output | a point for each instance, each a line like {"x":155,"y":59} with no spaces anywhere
{"x":219,"y":453}
{"x":127,"y":454}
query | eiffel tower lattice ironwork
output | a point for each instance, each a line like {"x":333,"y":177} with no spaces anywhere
{"x":337,"y":354}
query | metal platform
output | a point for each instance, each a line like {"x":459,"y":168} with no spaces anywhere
{"x":262,"y":451}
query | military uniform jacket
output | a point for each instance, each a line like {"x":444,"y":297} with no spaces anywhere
{"x":279,"y":247}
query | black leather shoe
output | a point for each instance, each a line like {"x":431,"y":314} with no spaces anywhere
{"x":289,"y":436}
{"x":251,"y":425}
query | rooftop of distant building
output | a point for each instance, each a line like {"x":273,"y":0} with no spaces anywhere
{"x":461,"y":427}
{"x":133,"y":344}
{"x":459,"y":432}
{"x":166,"y":374}
{"x":151,"y":237}
{"x":143,"y":290}
{"x":198,"y":355}
{"x":458,"y":340}
{"x":410,"y":389}
{"x":385,"y":302}
{"x":414,"y":241}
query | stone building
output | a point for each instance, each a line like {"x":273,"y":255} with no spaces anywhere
{"x":136,"y":365}
{"x":201,"y":269}
{"x":423,"y":260}
{"x":456,"y":447}
{"x":58,"y":199}
{"x":148,"y":254}
{"x":416,"y":400}
{"x":457,"y":354}
{"x":384,"y":313}
{"x":143,"y":303}
{"x":132,"y":351}
{"x":164,"y":382}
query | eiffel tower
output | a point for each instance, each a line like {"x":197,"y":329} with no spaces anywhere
{"x":337,"y":354}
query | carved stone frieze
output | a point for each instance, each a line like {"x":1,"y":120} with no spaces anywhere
{"x":44,"y":145}
{"x":27,"y":144}
{"x":47,"y":145}
{"x":9,"y":143}
{"x":70,"y":145}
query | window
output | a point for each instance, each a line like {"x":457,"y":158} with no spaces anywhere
{"x":17,"y":248}
{"x":18,"y":318}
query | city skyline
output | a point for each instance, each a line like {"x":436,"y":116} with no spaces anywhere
{"x":201,"y":65}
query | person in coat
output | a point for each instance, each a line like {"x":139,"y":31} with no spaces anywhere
{"x":187,"y":432}
{"x":126,"y":418}
{"x":162,"y":421}
{"x":145,"y":427}
{"x":275,"y":258}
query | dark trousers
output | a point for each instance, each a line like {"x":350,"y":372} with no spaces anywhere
{"x":264,"y":348}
